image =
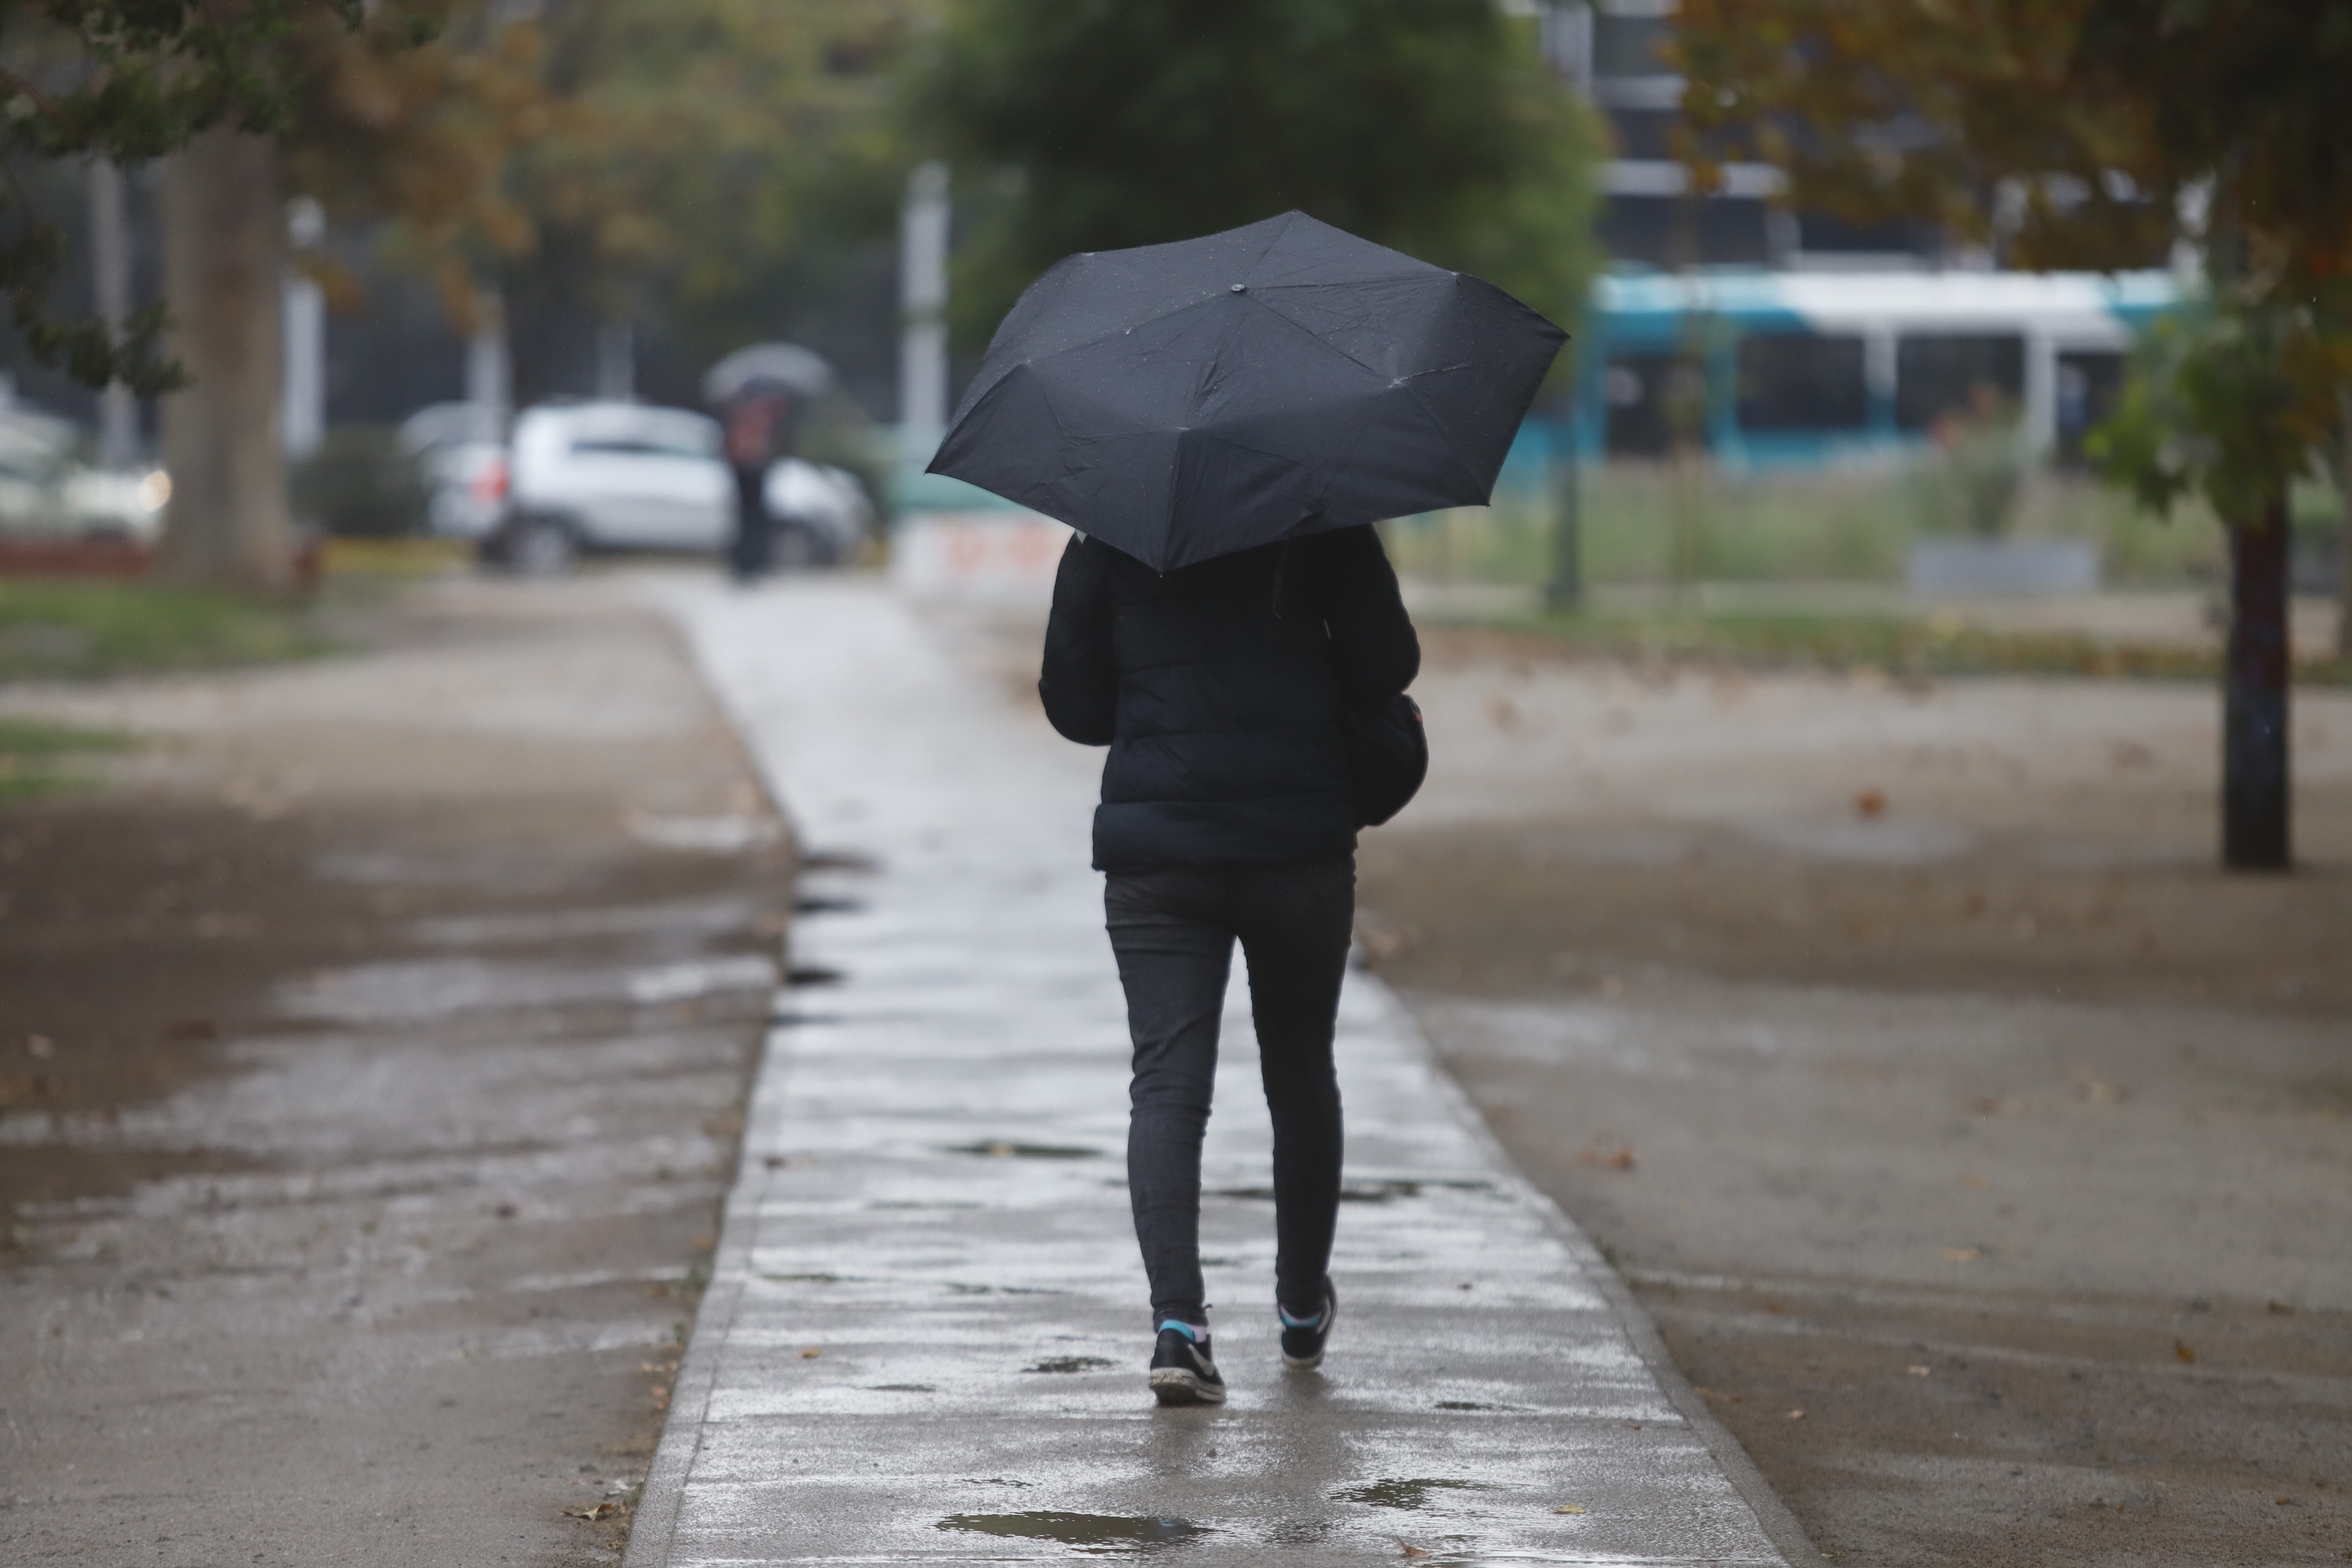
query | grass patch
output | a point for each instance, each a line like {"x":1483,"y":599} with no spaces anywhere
{"x":1651,"y":523}
{"x":64,"y":629}
{"x":1891,"y":644}
{"x":32,"y":750}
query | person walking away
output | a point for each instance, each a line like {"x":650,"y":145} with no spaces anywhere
{"x":1224,"y":690}
{"x":758,"y":430}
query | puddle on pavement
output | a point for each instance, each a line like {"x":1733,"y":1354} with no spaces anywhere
{"x":1408,"y":1494}
{"x":1094,"y":1534}
{"x":803,"y":1279}
{"x":1474,"y":1405}
{"x":1072,"y":1364}
{"x":998,"y":1149}
{"x":901,"y":1388}
{"x":1366,"y":1192}
{"x":838,"y":860}
{"x":821,"y":906}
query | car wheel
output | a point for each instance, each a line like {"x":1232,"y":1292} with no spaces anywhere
{"x":542,"y":547}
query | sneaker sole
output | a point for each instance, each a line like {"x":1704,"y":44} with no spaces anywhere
{"x":1174,"y":1386}
{"x":1331,"y":1322}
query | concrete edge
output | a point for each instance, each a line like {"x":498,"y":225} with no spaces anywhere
{"x":653,"y":1524}
{"x":1772,"y":1516}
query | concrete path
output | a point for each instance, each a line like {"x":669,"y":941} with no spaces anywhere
{"x":926,"y":1332}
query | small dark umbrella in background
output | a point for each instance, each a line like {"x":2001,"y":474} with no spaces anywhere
{"x":760,"y":392}
{"x":1185,"y":401}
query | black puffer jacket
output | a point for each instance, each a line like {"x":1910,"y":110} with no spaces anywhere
{"x":1219,"y":689}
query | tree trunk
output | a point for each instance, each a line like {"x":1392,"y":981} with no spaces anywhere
{"x":2344,"y":525}
{"x":2254,"y":771}
{"x":223,"y":273}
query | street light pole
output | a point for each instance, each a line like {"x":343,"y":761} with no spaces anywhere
{"x":1564,"y":590}
{"x":109,"y":255}
{"x":922,"y":303}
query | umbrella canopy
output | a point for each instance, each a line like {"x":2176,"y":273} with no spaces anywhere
{"x":786,"y":365}
{"x":1186,"y":401}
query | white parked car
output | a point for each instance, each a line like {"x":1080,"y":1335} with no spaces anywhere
{"x":47,"y":492}
{"x":629,"y":476}
{"x":461,"y":450}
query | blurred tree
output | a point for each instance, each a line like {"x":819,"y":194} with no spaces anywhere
{"x":131,"y":82}
{"x":701,"y":148}
{"x":1430,"y":125}
{"x":2100,"y":133}
{"x":380,"y":111}
{"x":408,"y":111}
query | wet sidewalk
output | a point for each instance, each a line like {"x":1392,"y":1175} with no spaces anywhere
{"x":925,"y":1335}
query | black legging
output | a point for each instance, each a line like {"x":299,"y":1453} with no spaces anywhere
{"x":753,"y":549}
{"x":1173,"y":931}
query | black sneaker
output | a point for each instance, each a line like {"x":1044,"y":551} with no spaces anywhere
{"x":1181,"y":1371}
{"x":1302,"y":1343}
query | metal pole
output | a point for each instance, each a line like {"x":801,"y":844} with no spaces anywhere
{"x":617,"y":360}
{"x":1565,"y":592}
{"x":488,"y":379}
{"x":109,"y":255}
{"x":305,"y":410}
{"x":922,"y":302}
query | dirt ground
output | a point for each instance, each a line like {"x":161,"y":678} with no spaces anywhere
{"x":1982,"y":1153}
{"x":370,"y":1056}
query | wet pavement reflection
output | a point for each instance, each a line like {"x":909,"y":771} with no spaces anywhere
{"x":926,"y":1334}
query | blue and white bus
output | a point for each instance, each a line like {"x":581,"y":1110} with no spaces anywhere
{"x":1809,"y":369}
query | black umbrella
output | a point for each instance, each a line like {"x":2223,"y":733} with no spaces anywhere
{"x":1185,"y":401}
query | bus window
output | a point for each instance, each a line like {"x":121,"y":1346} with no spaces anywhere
{"x":2089,"y":387}
{"x":1646,"y":394}
{"x":1935,"y":376}
{"x":1798,"y":382}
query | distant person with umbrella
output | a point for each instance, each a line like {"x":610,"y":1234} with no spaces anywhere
{"x":762,"y":393}
{"x":1220,"y":418}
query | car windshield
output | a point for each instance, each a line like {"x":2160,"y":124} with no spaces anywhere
{"x":651,"y":439}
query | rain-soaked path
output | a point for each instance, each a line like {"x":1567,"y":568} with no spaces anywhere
{"x":925,"y":1332}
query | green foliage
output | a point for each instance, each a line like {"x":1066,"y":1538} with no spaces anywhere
{"x":2228,"y":401}
{"x":1806,"y":529}
{"x":1429,"y":125}
{"x":36,"y":757}
{"x":698,"y":151}
{"x":51,"y":629}
{"x":1907,"y":646}
{"x":2067,"y":134}
{"x":361,"y":483}
{"x":130,"y":81}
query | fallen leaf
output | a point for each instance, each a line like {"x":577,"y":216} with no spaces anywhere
{"x":1962,"y":1253}
{"x":1869,"y":803}
{"x":1916,"y":1371}
{"x":2181,"y":1349}
{"x":1796,"y":1415}
{"x":1411,"y":1551}
{"x":1570,"y":1508}
{"x":2281,"y":1310}
{"x":811,"y":1353}
{"x":599,"y":1511}
{"x":1975,"y":1180}
{"x":40,"y":1047}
